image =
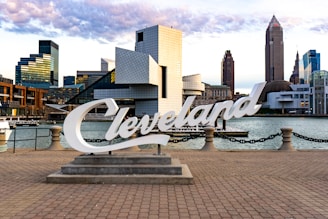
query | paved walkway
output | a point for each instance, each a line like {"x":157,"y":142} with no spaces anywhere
{"x":259,"y":184}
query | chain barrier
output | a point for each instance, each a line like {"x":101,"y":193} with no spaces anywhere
{"x":177,"y":139}
{"x":232,"y":139}
{"x":251,"y":141}
{"x":89,"y":139}
{"x":95,"y":140}
{"x":309,"y":138}
{"x":172,"y":139}
{"x":186,"y":138}
{"x":99,"y":140}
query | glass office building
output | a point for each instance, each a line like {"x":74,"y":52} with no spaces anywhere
{"x":319,"y":92}
{"x":39,"y":70}
{"x":309,"y":64}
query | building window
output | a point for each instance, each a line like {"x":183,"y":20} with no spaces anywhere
{"x":164,"y":82}
{"x":140,"y":37}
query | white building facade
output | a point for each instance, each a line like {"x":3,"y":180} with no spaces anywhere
{"x":296,"y":101}
{"x":153,"y":72}
{"x":309,"y":98}
{"x":192,"y":85}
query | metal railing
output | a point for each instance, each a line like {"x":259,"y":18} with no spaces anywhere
{"x":33,"y":136}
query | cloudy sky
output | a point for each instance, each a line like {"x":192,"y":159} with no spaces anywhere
{"x":88,"y":30}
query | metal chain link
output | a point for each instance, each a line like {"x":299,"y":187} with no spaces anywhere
{"x":310,"y":139}
{"x":94,"y":140}
{"x":99,"y":140}
{"x":186,"y":138}
{"x":251,"y":141}
{"x":233,"y":139}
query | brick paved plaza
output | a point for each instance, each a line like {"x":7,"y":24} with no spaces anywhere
{"x":258,"y":184}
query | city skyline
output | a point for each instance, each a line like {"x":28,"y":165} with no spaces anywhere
{"x":87,"y":31}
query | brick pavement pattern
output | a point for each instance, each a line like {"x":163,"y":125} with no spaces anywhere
{"x":247,"y":184}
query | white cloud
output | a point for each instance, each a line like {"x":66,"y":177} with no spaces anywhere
{"x":88,"y":30}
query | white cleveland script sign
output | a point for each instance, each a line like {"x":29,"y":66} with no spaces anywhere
{"x":203,"y":114}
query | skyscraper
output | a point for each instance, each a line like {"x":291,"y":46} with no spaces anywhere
{"x":311,"y":63}
{"x":49,"y":47}
{"x":274,"y":51}
{"x":295,"y":77}
{"x":228,"y":71}
{"x":39,"y":70}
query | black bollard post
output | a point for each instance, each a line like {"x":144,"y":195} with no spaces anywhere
{"x":159,"y":149}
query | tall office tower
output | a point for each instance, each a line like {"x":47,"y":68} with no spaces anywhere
{"x":274,"y":51}
{"x":295,"y":77}
{"x":228,"y":71}
{"x":311,"y":63}
{"x":319,"y":95}
{"x":39,"y":70}
{"x":49,"y":47}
